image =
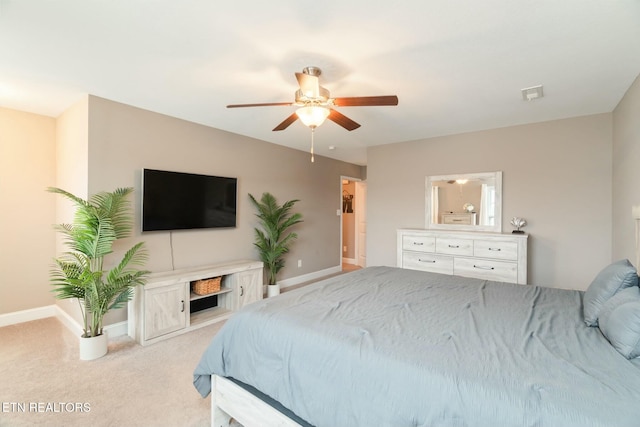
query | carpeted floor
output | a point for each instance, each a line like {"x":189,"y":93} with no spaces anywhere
{"x":43,"y":383}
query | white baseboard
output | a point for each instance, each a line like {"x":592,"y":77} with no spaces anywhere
{"x":120,"y":328}
{"x":69,"y":321}
{"x":27,"y":315}
{"x":114,"y":330}
{"x":292,"y":281}
{"x":117,"y":329}
{"x":351,"y":261}
{"x":310,"y":276}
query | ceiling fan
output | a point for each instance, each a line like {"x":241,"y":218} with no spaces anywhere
{"x":315,"y":103}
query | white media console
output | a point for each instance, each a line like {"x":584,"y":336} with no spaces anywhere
{"x":166,"y":306}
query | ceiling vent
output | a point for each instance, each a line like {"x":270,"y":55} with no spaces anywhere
{"x":531,"y":93}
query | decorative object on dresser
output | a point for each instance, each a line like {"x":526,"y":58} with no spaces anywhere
{"x":464,"y":202}
{"x":491,"y":256}
{"x":98,"y":222}
{"x":272,"y":239}
{"x":518,"y":223}
{"x":175,"y":302}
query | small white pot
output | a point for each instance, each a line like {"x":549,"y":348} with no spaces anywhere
{"x":93,"y":347}
{"x":273,"y":290}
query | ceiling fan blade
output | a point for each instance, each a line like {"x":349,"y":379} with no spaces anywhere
{"x":287,"y":122}
{"x":365,"y":101}
{"x":266,"y":104}
{"x":309,"y":85}
{"x":342,"y":120}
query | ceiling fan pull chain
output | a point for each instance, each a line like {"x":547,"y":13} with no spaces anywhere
{"x":313,"y":129}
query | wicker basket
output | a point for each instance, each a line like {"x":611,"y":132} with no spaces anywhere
{"x":206,"y":286}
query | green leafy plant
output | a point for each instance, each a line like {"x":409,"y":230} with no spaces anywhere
{"x":79,"y":273}
{"x":272,"y":240}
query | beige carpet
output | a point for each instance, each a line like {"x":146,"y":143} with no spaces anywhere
{"x":43,"y":382}
{"x":41,"y":378}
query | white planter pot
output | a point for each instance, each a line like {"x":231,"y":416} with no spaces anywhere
{"x":273,"y":290}
{"x":93,"y":347}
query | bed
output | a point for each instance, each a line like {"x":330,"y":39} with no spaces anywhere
{"x":385,"y":346}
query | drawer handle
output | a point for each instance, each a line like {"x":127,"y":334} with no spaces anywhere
{"x":482,"y":267}
{"x":495,"y":249}
{"x":454,"y":246}
{"x":182,"y":310}
{"x":433,"y":261}
{"x":456,"y":220}
{"x":418,"y":243}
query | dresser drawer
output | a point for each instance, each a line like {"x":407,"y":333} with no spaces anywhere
{"x":500,"y":271}
{"x":428,"y":262}
{"x":487,"y":256}
{"x":497,"y":250}
{"x":419,"y":243}
{"x":454,"y":246}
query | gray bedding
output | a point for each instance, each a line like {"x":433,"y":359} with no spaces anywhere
{"x":391,"y":347}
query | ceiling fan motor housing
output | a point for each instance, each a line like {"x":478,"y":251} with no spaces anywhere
{"x":312,"y":71}
{"x":322,"y":98}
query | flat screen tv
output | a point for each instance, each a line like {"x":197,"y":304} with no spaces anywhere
{"x":179,"y":201}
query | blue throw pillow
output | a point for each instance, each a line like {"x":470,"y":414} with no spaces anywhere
{"x":619,"y":322}
{"x":608,"y":282}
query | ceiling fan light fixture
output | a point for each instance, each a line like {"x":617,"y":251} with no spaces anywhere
{"x":312,"y":115}
{"x":314,"y":103}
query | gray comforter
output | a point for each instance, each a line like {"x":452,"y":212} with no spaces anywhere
{"x":390,"y":347}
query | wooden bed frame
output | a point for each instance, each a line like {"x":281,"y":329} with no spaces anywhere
{"x":229,"y":400}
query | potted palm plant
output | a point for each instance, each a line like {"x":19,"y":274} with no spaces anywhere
{"x":272,"y":239}
{"x":80,"y":274}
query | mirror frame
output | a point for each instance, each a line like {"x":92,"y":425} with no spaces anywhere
{"x":482,"y":175}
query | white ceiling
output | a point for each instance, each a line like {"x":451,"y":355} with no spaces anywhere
{"x":456,"y":65}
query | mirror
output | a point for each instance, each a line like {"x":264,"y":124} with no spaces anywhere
{"x":469,"y":202}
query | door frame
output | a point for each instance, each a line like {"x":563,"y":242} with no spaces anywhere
{"x":357,"y":248}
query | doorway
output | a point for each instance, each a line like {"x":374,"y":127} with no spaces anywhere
{"x":353,"y":224}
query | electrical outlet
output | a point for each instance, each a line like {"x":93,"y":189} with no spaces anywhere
{"x":299,"y":263}
{"x":344,"y":249}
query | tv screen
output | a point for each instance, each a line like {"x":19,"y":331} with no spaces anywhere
{"x":179,"y":201}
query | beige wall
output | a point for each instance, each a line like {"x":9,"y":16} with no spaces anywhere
{"x":72,"y":156}
{"x":102,"y":145}
{"x":626,"y":172}
{"x":124,"y":139}
{"x":72,"y":174}
{"x":569,"y":205}
{"x":556,"y":174}
{"x":27,"y":167}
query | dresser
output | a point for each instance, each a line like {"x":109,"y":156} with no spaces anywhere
{"x":491,"y":256}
